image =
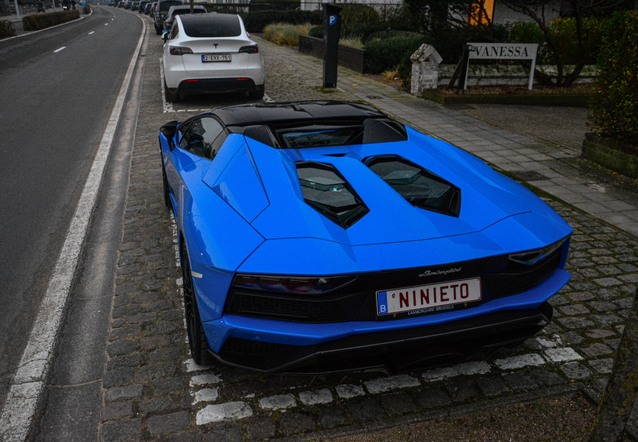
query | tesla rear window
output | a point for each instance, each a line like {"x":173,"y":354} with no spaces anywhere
{"x":216,"y":27}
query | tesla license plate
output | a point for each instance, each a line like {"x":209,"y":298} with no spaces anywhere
{"x":207,"y":58}
{"x":428,"y":298}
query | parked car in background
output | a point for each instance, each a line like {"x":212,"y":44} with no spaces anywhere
{"x":211,"y":53}
{"x":142,"y":6}
{"x":325,"y":236}
{"x":160,"y":11}
{"x":180,"y":10}
{"x":151,"y":8}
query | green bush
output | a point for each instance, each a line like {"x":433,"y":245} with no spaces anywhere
{"x":35,"y":22}
{"x":285,"y":34}
{"x":615,"y":104}
{"x":352,"y":14}
{"x":257,"y":21}
{"x":269,"y":5}
{"x":6,"y":29}
{"x":382,"y":55}
{"x":563,"y":33}
{"x":365,"y":30}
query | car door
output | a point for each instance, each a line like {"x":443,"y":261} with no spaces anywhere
{"x":196,"y":144}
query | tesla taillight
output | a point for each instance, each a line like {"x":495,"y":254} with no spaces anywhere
{"x":252,"y":49}
{"x":180,"y":50}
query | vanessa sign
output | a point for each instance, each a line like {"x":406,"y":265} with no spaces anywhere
{"x":502,"y":51}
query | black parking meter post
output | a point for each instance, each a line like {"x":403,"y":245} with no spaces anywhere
{"x":331,"y":34}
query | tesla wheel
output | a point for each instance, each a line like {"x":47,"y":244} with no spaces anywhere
{"x":170,"y":96}
{"x":167,"y":198}
{"x":196,"y":337}
{"x":257,"y":94}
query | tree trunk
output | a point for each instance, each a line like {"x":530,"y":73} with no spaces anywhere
{"x":620,"y":395}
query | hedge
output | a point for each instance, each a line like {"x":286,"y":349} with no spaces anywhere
{"x":257,"y":21}
{"x":35,"y":22}
{"x":6,"y":29}
{"x":615,"y":104}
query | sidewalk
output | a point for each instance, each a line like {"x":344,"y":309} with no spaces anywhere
{"x":539,"y":145}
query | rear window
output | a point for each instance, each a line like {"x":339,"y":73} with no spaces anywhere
{"x":213,"y":26}
{"x":165,"y":5}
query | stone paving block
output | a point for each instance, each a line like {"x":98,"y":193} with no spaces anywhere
{"x":168,"y":423}
{"x":576,"y":371}
{"x":121,"y":430}
{"x":597,"y":350}
{"x":398,"y":403}
{"x":491,"y":386}
{"x":260,"y":428}
{"x":381,"y":385}
{"x":206,"y":395}
{"x":562,"y":354}
{"x":433,"y":397}
{"x":223,"y":412}
{"x":295,"y":423}
{"x":278,"y":402}
{"x":366,"y":409}
{"x":520,"y":361}
{"x":603,"y":366}
{"x":348,"y":391}
{"x":332,"y":417}
{"x":323,"y":396}
{"x":519,"y":381}
{"x":127,"y":392}
{"x":462,"y":391}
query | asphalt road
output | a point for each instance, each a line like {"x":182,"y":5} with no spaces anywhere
{"x":58,"y":89}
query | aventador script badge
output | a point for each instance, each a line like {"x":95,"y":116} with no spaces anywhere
{"x":440,"y":272}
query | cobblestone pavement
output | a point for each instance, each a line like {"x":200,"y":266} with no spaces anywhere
{"x":152,"y":390}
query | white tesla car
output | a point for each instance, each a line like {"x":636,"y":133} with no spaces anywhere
{"x":209,"y":53}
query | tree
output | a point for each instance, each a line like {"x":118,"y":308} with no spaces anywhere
{"x":578,"y":11}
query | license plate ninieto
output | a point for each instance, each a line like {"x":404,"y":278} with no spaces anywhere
{"x":419,"y":298}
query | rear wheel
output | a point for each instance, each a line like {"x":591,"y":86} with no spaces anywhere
{"x":170,"y":96}
{"x":196,"y":337}
{"x":257,"y":94}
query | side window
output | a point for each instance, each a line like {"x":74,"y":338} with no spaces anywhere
{"x":199,"y":135}
{"x":174,"y":31}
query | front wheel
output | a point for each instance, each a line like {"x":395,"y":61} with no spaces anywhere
{"x":196,"y":337}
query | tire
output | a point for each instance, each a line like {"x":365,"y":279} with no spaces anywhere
{"x":257,"y":94}
{"x":170,"y":96}
{"x":196,"y":337}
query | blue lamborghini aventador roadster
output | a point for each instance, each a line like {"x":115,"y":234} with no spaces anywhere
{"x":324,"y":236}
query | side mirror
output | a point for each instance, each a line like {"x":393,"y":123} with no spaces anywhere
{"x":169,"y":130}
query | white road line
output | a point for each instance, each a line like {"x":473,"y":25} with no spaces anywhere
{"x":29,"y":380}
{"x":92,"y":32}
{"x":59,"y":49}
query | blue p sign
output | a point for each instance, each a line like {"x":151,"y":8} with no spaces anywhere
{"x":332,"y":20}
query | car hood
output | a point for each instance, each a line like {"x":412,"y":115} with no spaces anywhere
{"x":262,"y":185}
